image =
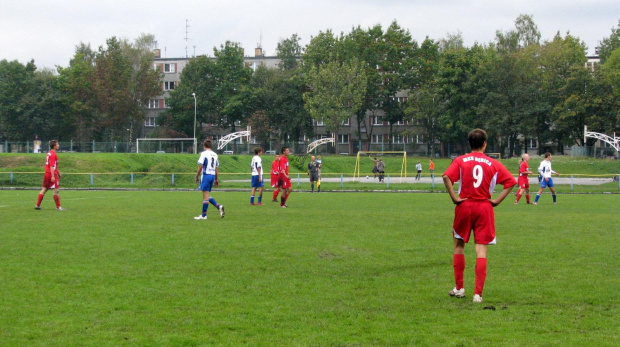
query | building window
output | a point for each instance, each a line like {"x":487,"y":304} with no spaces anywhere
{"x":400,"y":122}
{"x":398,"y":139}
{"x":531,"y":143}
{"x":346,"y":122}
{"x":170,"y":68}
{"x":169,"y":85}
{"x":237,"y":123}
{"x":153,"y":103}
{"x":377,"y":120}
{"x":320,"y":123}
{"x":166,"y":103}
{"x":377,"y":139}
{"x":149,"y":122}
{"x":344,"y":138}
{"x":420,"y":138}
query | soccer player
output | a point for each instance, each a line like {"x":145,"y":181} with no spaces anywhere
{"x":257,"y":176}
{"x":545,"y":171}
{"x":51,"y":178}
{"x":275,"y":173}
{"x":478,"y":175}
{"x":208,"y":167}
{"x":284,"y":180}
{"x":313,"y":172}
{"x":418,"y":168}
{"x":523,"y":181}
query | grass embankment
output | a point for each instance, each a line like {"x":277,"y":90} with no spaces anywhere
{"x":110,"y":170}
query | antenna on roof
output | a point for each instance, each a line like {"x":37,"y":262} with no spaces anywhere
{"x":186,"y":35}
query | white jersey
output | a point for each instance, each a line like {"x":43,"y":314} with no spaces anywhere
{"x":208,"y":160}
{"x":418,"y":167}
{"x":257,"y":163}
{"x":544,"y":169}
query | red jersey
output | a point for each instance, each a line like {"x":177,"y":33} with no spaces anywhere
{"x":523,"y":168}
{"x":51,"y":163}
{"x":275,"y":168}
{"x":478,"y":175}
{"x":284,"y":164}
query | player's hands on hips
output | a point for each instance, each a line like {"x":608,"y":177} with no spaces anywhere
{"x":458,"y":200}
{"x":494,"y":202}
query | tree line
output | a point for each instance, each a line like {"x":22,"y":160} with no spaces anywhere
{"x":517,"y":87}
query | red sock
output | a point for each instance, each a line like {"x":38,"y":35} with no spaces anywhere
{"x":459,"y":269}
{"x":519,"y":196}
{"x":40,"y":199}
{"x":527,"y":197}
{"x":57,"y":200}
{"x":275,"y":194}
{"x":481,"y":275}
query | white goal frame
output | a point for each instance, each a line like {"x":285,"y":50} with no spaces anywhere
{"x":403,"y":168}
{"x":221,"y":143}
{"x":180,"y":139}
{"x":613,"y":141}
{"x":317,"y":143}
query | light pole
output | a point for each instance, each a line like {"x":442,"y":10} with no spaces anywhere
{"x":195,"y":142}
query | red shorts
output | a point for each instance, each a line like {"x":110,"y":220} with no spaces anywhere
{"x":523,"y":182}
{"x":274,"y":181}
{"x":476,"y":215}
{"x":284,"y":183}
{"x":47,"y":181}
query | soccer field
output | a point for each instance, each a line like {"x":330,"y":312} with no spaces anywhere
{"x":135,"y":268}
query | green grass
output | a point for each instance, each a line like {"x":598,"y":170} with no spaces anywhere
{"x":134,"y":268}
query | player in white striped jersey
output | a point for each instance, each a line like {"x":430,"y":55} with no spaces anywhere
{"x":208,"y":167}
{"x":544,"y":173}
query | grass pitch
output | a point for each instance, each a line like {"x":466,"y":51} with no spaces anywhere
{"x":134,"y":268}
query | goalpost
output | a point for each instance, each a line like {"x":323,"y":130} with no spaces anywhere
{"x":358,"y":163}
{"x":164,"y":145}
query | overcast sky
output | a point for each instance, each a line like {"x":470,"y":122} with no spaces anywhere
{"x":48,"y":30}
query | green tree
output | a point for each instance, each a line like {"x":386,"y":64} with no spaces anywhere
{"x":609,"y":44}
{"x":336,"y":92}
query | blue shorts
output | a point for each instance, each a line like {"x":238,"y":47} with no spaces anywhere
{"x":207,"y":183}
{"x":545,"y":184}
{"x":256,"y":183}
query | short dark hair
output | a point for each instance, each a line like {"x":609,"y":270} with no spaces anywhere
{"x":257,"y":150}
{"x":284,"y":149}
{"x":53,"y":143}
{"x":207,"y":144}
{"x":477,"y":138}
{"x":547,"y":155}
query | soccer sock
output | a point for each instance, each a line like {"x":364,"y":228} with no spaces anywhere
{"x":57,"y":200}
{"x":312,"y":187}
{"x":251,"y":199}
{"x":481,"y":275}
{"x":260,"y":198}
{"x":40,"y":199}
{"x":519,"y":196}
{"x":553,"y":195}
{"x":275,"y":194}
{"x":214,"y":203}
{"x":459,"y":269}
{"x":537,"y":197}
{"x":205,"y":206}
{"x":527,"y":197}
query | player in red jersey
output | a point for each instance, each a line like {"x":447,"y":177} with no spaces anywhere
{"x":275,"y":172}
{"x":523,"y":180}
{"x":478,"y":175}
{"x":284,"y":182}
{"x":51,"y":179}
